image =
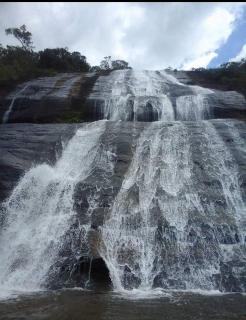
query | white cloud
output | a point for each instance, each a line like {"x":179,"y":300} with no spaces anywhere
{"x":200,"y":62}
{"x":147,"y":35}
{"x":240,"y":55}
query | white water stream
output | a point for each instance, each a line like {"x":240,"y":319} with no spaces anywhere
{"x":162,"y":230}
{"x":39,"y":212}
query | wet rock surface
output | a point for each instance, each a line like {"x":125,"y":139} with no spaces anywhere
{"x":130,"y":95}
{"x":126,"y":95}
{"x":54,"y":99}
{"x":23,"y":146}
{"x":208,"y":251}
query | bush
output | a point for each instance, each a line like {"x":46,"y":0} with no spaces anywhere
{"x":229,"y":76}
{"x":18,"y":64}
{"x":61,"y":60}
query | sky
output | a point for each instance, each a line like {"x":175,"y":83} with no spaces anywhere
{"x":148,"y":35}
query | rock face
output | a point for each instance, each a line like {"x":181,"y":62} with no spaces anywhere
{"x":152,"y":194}
{"x":225,"y":104}
{"x":126,"y":95}
{"x":49,"y":99}
{"x":25,"y":145}
{"x":158,"y":204}
{"x":130,"y":95}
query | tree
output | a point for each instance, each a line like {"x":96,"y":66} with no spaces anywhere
{"x":95,"y":69}
{"x":61,"y":60}
{"x":198,"y":69}
{"x":22,"y":35}
{"x":120,"y":64}
{"x":169,"y":69}
{"x":106,"y":63}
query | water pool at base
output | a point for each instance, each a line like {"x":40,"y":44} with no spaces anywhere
{"x":107,"y":305}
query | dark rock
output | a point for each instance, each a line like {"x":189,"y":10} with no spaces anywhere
{"x":183,"y":251}
{"x":84,"y":272}
{"x":130,"y":280}
{"x":60,"y":98}
{"x":77,"y":97}
{"x":26,"y":145}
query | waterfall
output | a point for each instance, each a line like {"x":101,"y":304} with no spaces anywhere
{"x":40,"y":211}
{"x":17,"y":95}
{"x":162,"y":230}
{"x":133,"y":95}
{"x":131,"y":249}
{"x":164,"y":178}
{"x":56,"y":87}
{"x":193,"y":107}
{"x":148,"y":96}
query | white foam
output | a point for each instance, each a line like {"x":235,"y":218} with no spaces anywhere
{"x":40,"y":210}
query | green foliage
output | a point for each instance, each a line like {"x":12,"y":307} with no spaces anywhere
{"x":119,"y":65}
{"x":22,"y":35}
{"x":18,"y":64}
{"x":95,"y":69}
{"x":229,"y":76}
{"x":61,"y":60}
{"x":107,"y":65}
{"x":21,"y":63}
{"x":71,"y":117}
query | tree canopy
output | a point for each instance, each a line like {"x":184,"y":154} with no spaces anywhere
{"x":21,"y":63}
{"x":228,"y":76}
{"x":60,"y":59}
{"x":22,"y":35}
{"x":108,"y":64}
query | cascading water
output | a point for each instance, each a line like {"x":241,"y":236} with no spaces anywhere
{"x":17,"y":95}
{"x":193,"y":107}
{"x":40,"y":210}
{"x":132,"y":95}
{"x":174,"y":219}
{"x":163,"y":231}
{"x":56,"y":87}
{"x":148,"y":96}
{"x":131,"y":249}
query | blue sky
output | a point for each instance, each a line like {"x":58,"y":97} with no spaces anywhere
{"x":234,"y":43}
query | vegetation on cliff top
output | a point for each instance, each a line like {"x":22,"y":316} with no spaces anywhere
{"x":229,"y":76}
{"x":21,"y":63}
